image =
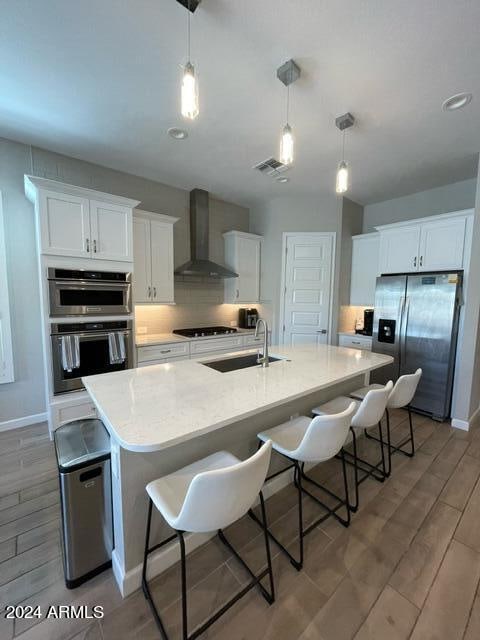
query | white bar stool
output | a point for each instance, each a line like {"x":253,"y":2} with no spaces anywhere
{"x":400,"y":398}
{"x":369,"y":412}
{"x":209,"y":495}
{"x":316,"y":440}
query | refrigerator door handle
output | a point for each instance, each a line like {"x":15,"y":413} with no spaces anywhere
{"x":403,"y":333}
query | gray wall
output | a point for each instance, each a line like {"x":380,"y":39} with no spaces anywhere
{"x":271,"y":220}
{"x":352,"y":224}
{"x":25,"y":396}
{"x":468,"y":374}
{"x":451,"y":197}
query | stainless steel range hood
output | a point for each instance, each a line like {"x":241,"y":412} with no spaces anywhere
{"x":199,"y":264}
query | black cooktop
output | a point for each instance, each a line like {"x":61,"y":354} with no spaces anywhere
{"x":199,"y":332}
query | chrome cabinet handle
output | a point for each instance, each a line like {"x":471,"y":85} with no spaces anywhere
{"x":149,"y":292}
{"x":166,"y":351}
{"x":237,"y":293}
{"x":421,"y":261}
{"x":415,"y":261}
{"x":87,"y":245}
{"x":94,"y":246}
{"x":154,"y":292}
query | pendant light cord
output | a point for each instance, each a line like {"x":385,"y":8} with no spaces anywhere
{"x":288,"y":101}
{"x":188,"y":32}
{"x":343,"y":146}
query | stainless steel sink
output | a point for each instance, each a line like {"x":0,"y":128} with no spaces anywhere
{"x":239,"y":362}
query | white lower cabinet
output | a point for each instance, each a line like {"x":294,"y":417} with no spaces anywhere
{"x":162,"y":352}
{"x":195,"y":349}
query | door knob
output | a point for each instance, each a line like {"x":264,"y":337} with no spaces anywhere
{"x":322,"y":331}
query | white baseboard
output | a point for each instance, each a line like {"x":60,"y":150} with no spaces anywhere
{"x":23,"y":422}
{"x":466,"y":424}
{"x":130,"y":581}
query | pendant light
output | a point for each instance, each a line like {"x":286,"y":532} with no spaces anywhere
{"x":189,"y":95}
{"x":343,"y":123}
{"x":287,"y":73}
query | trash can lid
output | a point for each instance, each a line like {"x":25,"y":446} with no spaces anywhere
{"x":81,"y":442}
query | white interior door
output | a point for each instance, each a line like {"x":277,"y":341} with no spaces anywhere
{"x":308,"y":285}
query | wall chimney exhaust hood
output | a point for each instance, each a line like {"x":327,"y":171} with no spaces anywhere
{"x":199,"y":263}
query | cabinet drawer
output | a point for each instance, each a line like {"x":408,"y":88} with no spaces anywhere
{"x":200,"y":347}
{"x":162,"y":352}
{"x":354,"y":342}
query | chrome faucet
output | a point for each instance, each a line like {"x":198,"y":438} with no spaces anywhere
{"x":263,"y":359}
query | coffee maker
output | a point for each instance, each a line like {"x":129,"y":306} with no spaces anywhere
{"x":247,"y":318}
{"x":367,"y":323}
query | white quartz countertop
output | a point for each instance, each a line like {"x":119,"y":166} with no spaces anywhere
{"x":156,"y":407}
{"x":148,"y":339}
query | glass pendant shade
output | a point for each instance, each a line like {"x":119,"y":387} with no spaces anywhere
{"x":286,"y":145}
{"x":342,"y":177}
{"x":189,"y":93}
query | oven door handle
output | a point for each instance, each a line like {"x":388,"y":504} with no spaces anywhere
{"x":89,"y":284}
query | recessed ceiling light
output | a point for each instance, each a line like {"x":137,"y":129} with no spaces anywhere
{"x":177,"y":134}
{"x":283,"y":179}
{"x":458,"y":101}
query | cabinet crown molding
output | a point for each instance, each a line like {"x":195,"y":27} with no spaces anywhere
{"x":33,"y":184}
{"x":417,"y":221}
{"x":362,"y":236}
{"x":151,"y":215}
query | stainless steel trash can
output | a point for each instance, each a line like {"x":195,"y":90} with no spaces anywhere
{"x":83,"y":455}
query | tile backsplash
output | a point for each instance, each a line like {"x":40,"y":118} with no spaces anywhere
{"x":197,"y":304}
{"x":348,"y":316}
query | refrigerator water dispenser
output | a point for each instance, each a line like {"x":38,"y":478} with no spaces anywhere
{"x":386,"y":330}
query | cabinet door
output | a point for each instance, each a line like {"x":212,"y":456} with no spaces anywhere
{"x":111,"y":231}
{"x":248,"y":269}
{"x":399,"y":249}
{"x":442,"y":244}
{"x":365,"y":269}
{"x":64,"y":225}
{"x":142,"y":265}
{"x":161,"y":243}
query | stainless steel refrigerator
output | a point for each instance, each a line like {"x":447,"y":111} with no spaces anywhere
{"x":416,"y":322}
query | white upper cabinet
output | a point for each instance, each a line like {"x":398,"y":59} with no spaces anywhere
{"x":64,"y":224}
{"x":81,"y":223}
{"x":399,"y":249}
{"x":442,"y":244}
{"x":242,"y":254}
{"x":428,"y":244}
{"x":365,"y":251}
{"x":153,"y":258}
{"x":111,"y":231}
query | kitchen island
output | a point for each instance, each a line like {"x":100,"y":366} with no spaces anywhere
{"x":163,"y":417}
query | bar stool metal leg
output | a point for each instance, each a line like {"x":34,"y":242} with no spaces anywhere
{"x":298,"y":476}
{"x":255,"y":582}
{"x":399,"y":447}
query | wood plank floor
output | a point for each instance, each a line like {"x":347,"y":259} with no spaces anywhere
{"x":408,"y":566}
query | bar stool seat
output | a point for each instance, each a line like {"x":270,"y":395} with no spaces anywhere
{"x":168,"y":493}
{"x":359,"y":394}
{"x":335,"y":406}
{"x":303,"y":440}
{"x":400,"y":398}
{"x":288,"y":435}
{"x":368,"y":413}
{"x":209,"y":495}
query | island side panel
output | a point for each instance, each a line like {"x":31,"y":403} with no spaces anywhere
{"x":137,"y":469}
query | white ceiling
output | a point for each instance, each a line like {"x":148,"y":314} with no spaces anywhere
{"x":99,"y":80}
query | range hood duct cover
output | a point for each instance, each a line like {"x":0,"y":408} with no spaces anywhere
{"x":200,"y":264}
